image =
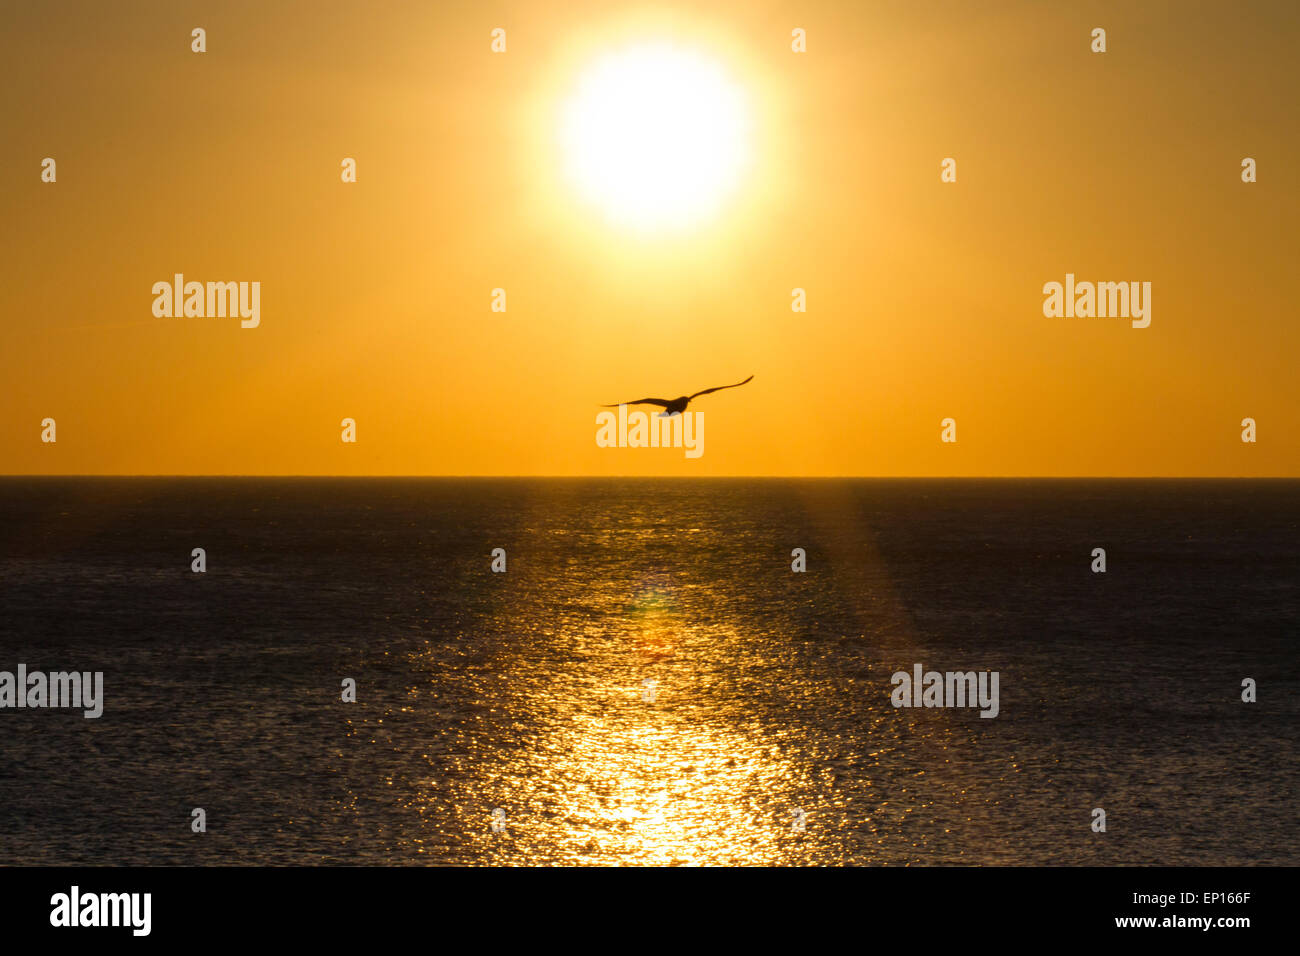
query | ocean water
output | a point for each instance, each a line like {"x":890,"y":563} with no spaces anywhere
{"x":525,"y":692}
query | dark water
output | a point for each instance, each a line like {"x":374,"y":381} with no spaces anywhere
{"x":525,"y":691}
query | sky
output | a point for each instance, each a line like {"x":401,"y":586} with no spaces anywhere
{"x":924,"y":298}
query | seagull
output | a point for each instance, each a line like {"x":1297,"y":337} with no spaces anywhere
{"x":677,"y":405}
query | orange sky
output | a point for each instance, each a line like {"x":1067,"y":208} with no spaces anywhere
{"x":924,"y":298}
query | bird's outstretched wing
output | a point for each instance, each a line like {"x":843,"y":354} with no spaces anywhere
{"x":662,"y":402}
{"x":719,"y":388}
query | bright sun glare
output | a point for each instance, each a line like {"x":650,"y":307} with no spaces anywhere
{"x":656,"y":136}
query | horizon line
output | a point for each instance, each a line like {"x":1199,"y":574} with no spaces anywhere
{"x":418,"y":476}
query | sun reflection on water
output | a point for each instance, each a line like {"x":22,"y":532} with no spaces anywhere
{"x":649,"y":757}
{"x":669,"y":718}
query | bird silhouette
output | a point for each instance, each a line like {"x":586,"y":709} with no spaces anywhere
{"x":675,"y":406}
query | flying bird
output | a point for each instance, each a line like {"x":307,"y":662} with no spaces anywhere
{"x":676,"y":406}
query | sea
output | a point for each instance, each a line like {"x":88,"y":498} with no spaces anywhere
{"x":412,"y":671}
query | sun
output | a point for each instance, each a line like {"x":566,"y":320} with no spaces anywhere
{"x":656,"y":137}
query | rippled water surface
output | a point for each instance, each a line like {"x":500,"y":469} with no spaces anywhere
{"x":526,"y":691}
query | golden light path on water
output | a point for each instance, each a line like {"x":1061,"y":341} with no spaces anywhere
{"x":691,"y":770}
{"x":636,"y":697}
{"x":649,"y":773}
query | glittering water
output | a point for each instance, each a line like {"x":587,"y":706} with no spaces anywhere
{"x":525,"y":691}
